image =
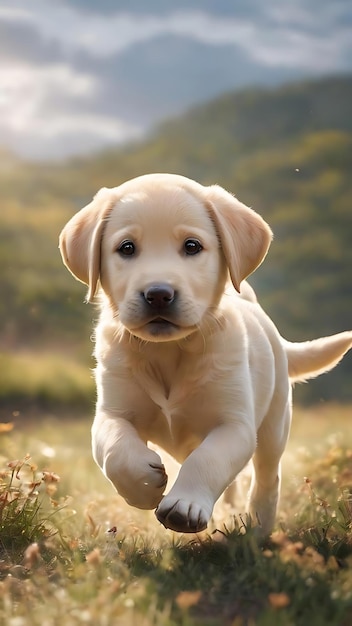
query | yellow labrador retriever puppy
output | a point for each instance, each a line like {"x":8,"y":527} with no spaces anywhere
{"x":185,"y":359}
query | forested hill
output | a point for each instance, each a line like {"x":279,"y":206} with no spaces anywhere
{"x":286,"y":152}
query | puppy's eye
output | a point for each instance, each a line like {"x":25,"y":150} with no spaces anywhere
{"x":126,"y":248}
{"x":192,"y":246}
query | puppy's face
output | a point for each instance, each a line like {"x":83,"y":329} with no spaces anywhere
{"x":160,"y":246}
{"x":162,"y":266}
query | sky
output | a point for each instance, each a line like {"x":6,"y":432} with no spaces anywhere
{"x":77,"y":76}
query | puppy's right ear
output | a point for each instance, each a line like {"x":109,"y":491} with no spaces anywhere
{"x":80,"y":240}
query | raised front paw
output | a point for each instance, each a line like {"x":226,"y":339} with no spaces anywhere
{"x":142,"y":482}
{"x":183,"y":515}
{"x":149,"y":488}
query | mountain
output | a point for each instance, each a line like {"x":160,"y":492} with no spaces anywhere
{"x":83,"y":75}
{"x":287,"y":152}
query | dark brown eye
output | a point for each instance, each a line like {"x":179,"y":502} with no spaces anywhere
{"x":126,"y":248}
{"x":192,"y":246}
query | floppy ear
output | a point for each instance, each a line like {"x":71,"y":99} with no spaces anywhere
{"x":245,"y":237}
{"x":80,"y":240}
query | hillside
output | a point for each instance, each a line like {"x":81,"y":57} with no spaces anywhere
{"x":287,"y":152}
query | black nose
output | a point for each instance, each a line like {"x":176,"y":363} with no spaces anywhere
{"x":159,"y":295}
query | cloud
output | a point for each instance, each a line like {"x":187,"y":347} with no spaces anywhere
{"x":60,"y":136}
{"x":286,"y":34}
{"x":101,"y":35}
{"x":25,"y":89}
{"x":80,"y":74}
{"x":42,"y":111}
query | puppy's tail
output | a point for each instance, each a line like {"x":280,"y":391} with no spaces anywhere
{"x":311,"y":358}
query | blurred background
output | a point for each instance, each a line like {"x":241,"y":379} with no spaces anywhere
{"x":254,"y":96}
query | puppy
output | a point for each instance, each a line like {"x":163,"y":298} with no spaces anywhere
{"x":186,"y":358}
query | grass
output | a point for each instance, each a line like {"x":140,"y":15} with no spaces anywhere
{"x":45,"y":379}
{"x":72,"y":552}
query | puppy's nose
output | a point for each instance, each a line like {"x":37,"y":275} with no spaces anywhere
{"x":159,"y":295}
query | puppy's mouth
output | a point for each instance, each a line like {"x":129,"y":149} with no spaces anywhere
{"x":161,"y":329}
{"x":160,"y":326}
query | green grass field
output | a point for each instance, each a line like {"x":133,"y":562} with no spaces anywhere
{"x":72,"y":552}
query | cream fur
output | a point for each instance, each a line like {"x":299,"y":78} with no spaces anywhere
{"x":206,"y":377}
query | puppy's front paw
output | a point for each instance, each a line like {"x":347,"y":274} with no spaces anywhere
{"x":182,"y":515}
{"x":150,"y":487}
{"x":156,"y":477}
{"x":140,"y":483}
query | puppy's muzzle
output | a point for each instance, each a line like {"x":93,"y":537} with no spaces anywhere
{"x":159,"y":297}
{"x":160,"y":315}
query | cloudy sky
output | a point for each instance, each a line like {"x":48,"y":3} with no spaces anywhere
{"x":79,"y":75}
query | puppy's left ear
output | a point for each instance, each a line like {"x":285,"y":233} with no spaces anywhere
{"x":245,"y":237}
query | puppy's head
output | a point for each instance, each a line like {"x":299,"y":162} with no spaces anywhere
{"x":161,"y":246}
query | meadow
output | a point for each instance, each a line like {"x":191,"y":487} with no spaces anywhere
{"x":73,"y":552}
